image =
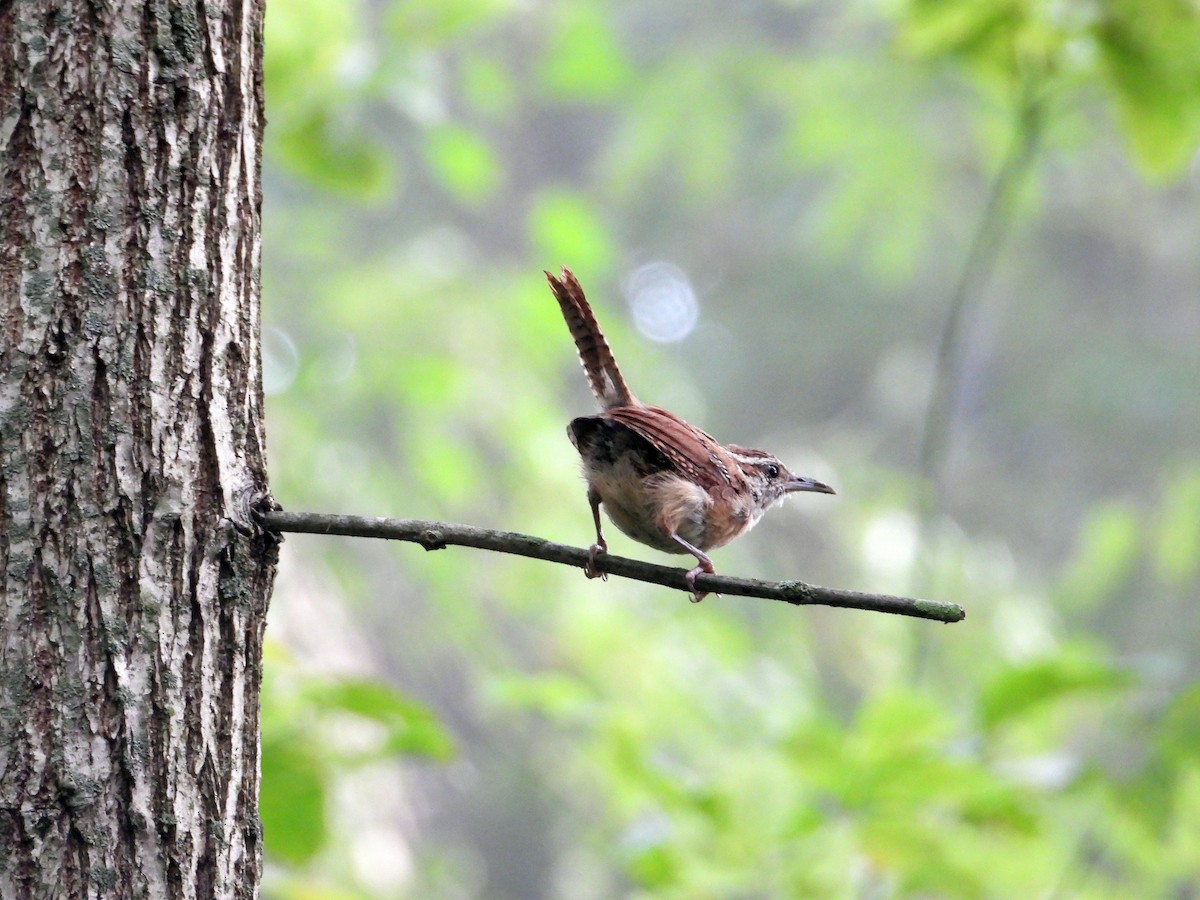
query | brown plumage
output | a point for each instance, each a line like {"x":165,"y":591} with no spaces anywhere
{"x":662,"y":481}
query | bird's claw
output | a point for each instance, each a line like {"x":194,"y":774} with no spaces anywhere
{"x":705,"y":568}
{"x":590,"y":569}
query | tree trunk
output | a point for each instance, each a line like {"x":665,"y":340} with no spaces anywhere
{"x":133,"y":587}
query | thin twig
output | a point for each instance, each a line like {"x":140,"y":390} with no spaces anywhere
{"x":438,"y":535}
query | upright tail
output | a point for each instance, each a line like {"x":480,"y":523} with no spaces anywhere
{"x":598,"y":363}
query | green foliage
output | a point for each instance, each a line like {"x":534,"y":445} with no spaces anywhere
{"x":408,"y":727}
{"x":306,"y":721}
{"x":293,"y":797}
{"x":818,"y":168}
{"x":313,"y":93}
{"x":583,"y":59}
{"x":463,"y":162}
{"x":857,"y":127}
{"x":1017,"y":691}
{"x":1177,"y":530}
{"x":1106,"y":554}
{"x":1149,"y":54}
{"x":564,"y":226}
{"x":324,"y":149}
{"x":1145,"y":54}
{"x":418,"y":23}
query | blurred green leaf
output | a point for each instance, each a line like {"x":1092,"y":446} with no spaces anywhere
{"x":1178,"y":733}
{"x":1184,"y":838}
{"x":292,"y":797}
{"x":411,"y":728}
{"x":302,"y":756}
{"x":1175,"y":543}
{"x":937,"y":28}
{"x":877,"y":202}
{"x":1147,"y":52}
{"x":1151,"y":53}
{"x":901,"y":721}
{"x":488,"y":87}
{"x":313,"y":66}
{"x":419,"y":21}
{"x":334,"y":156}
{"x":448,"y":469}
{"x":1150,"y":799}
{"x":653,"y":867}
{"x":583,"y":59}
{"x":463,"y":162}
{"x":305,"y":43}
{"x":566,"y":230}
{"x":553,"y":694}
{"x":1104,"y":557}
{"x":1017,"y":690}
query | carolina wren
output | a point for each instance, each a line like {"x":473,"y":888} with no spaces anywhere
{"x":662,"y":481}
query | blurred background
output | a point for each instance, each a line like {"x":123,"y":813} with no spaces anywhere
{"x":943,"y":255}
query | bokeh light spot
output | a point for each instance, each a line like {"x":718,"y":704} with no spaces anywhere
{"x":662,"y":301}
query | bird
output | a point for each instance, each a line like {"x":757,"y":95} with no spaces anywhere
{"x":662,"y":481}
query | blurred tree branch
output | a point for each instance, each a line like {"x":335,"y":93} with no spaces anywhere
{"x":977,"y":267}
{"x":438,"y":535}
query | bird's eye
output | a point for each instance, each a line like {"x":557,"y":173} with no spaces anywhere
{"x":771,"y":470}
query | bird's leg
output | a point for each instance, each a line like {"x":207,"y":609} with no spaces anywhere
{"x":705,"y":565}
{"x":601,"y":546}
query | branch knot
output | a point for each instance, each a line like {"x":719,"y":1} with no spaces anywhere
{"x":432,"y":539}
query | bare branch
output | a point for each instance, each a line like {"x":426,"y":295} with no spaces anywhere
{"x":438,"y":535}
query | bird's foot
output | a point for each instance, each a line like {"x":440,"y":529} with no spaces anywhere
{"x":704,"y":567}
{"x":590,"y":569}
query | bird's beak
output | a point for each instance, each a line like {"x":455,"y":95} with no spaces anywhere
{"x":809,"y":484}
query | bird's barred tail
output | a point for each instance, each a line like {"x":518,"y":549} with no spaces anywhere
{"x":598,"y":363}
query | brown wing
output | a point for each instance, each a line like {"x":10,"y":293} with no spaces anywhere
{"x":693,"y":452}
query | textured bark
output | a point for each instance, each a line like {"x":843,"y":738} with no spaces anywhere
{"x":133,"y":588}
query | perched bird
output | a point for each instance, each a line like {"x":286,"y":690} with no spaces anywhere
{"x":662,"y":481}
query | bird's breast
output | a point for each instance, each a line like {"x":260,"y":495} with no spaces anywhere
{"x":649,"y":507}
